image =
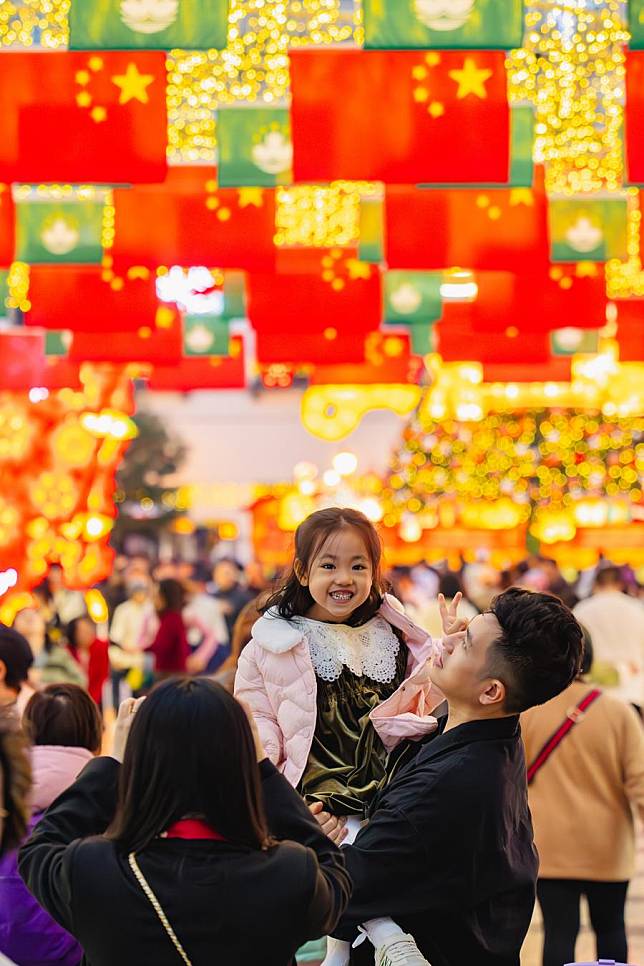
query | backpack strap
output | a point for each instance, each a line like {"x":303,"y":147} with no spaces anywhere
{"x":573,"y":716}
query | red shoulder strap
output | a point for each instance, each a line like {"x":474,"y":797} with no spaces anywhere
{"x":573,"y":716}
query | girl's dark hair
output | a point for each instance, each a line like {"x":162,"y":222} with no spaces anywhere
{"x":172,"y":593}
{"x":15,"y":782}
{"x":190,"y":752}
{"x":292,"y":599}
{"x":63,"y":714}
{"x":72,"y":629}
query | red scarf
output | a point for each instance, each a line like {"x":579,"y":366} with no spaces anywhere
{"x":192,"y":828}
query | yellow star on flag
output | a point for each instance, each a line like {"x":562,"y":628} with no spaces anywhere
{"x":586,"y":270}
{"x":250,"y":196}
{"x":133,"y":85}
{"x":357,"y":269}
{"x":470,"y":79}
{"x":521,"y":196}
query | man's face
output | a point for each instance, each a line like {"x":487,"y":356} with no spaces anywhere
{"x":459,"y":670}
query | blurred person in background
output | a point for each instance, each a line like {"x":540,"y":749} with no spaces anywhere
{"x":255,"y":575}
{"x":52,"y":662}
{"x":16,"y":659}
{"x":481,"y":581}
{"x":583,"y":788}
{"x":67,"y":604}
{"x":228,"y":590}
{"x":15,"y":782}
{"x":65,"y":730}
{"x":242,"y":634}
{"x":429,"y":615}
{"x":114,"y":589}
{"x":170,"y":645}
{"x":128,"y":620}
{"x":207,"y":628}
{"x":91,"y":653}
{"x":616,"y":624}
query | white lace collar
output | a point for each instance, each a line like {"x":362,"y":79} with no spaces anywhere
{"x":371,"y":649}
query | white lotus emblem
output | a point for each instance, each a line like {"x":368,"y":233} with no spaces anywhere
{"x":406,"y":299}
{"x":199,"y":339}
{"x":59,"y":236}
{"x":274,"y":153}
{"x":149,"y":16}
{"x":444,"y":14}
{"x":584,"y":236}
{"x":569,"y":338}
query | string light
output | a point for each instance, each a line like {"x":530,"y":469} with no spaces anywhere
{"x":320,"y":216}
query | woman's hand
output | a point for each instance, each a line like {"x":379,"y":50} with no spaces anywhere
{"x":127,"y":710}
{"x":330,"y":825}
{"x":452,"y":623}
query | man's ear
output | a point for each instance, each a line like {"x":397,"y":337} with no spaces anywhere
{"x":494,"y":693}
{"x":299,"y":573}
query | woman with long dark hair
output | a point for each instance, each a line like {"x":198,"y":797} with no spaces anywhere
{"x":168,"y":857}
{"x":170,"y":645}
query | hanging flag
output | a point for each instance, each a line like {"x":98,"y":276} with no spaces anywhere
{"x":187,"y":220}
{"x":412,"y":297}
{"x":554,"y":370}
{"x":80,"y":117}
{"x":191,"y":374}
{"x":88,"y":299}
{"x":205,"y":335}
{"x":372,"y":230}
{"x":60,"y":232}
{"x":634,"y":116}
{"x":569,"y":341}
{"x":58,"y":342}
{"x":157,"y":345}
{"x":472,"y":24}
{"x":494,"y":228}
{"x":254,"y":147}
{"x":60,"y":373}
{"x":587,"y":229}
{"x":423,"y":339}
{"x":630,"y":330}
{"x":400,"y":117}
{"x":636,"y":24}
{"x":234,"y":295}
{"x":149,"y":24}
{"x":7,"y":226}
{"x":458,"y":341}
{"x":388,"y":360}
{"x":4,"y":293}
{"x":22,"y":358}
{"x":310,"y":319}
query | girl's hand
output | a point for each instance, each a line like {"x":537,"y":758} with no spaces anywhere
{"x":124,"y":720}
{"x":333,"y":827}
{"x":452,"y":623}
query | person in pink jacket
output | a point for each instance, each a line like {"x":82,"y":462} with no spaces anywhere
{"x":336,"y":676}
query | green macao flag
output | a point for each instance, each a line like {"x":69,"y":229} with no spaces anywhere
{"x":4,"y":294}
{"x":205,"y":335}
{"x":255,"y":147}
{"x":568,"y":342}
{"x":423,"y":339}
{"x":636,"y":24}
{"x":66,"y":232}
{"x":412,"y":297}
{"x":148,"y":24}
{"x":234,"y":289}
{"x":371,"y":247}
{"x":57,"y":342}
{"x":587,"y":229}
{"x":443,"y":24}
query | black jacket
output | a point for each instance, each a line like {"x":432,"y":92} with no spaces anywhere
{"x":448,"y":852}
{"x":227,"y":904}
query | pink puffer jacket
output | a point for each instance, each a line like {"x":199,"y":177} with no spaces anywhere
{"x":275,"y":677}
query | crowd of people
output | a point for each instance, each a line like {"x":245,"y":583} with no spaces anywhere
{"x":328,"y":764}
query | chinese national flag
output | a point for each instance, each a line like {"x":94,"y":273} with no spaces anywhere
{"x":7,"y":227}
{"x":217,"y":372}
{"x":497,"y":229}
{"x":634,"y":116}
{"x":187,"y":221}
{"x":630,"y":330}
{"x":81,"y":117}
{"x":555,"y":370}
{"x":60,"y":374}
{"x":160,"y":346}
{"x":83,"y":299}
{"x":400,"y":116}
{"x":388,"y":360}
{"x":458,"y":341}
{"x":22,"y":359}
{"x":304,"y":319}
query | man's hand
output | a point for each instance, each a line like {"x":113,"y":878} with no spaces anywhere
{"x":452,"y":623}
{"x":330,"y":825}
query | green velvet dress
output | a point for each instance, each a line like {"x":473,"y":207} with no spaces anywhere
{"x":347,"y":759}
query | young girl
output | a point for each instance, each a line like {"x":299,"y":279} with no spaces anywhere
{"x":336,"y":675}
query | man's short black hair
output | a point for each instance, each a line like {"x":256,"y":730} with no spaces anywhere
{"x":540,"y":650}
{"x":16,"y":656}
{"x":609,"y":577}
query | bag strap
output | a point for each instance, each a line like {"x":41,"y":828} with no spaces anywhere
{"x":156,"y":905}
{"x":572,"y":717}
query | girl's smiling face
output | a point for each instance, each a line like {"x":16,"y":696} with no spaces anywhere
{"x":339,"y":576}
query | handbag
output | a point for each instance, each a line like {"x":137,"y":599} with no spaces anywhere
{"x":572,"y":717}
{"x":156,"y":905}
